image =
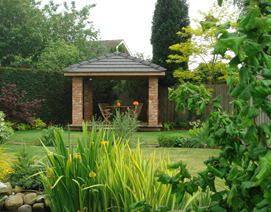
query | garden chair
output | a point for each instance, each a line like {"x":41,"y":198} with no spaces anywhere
{"x":105,"y":112}
{"x":136,"y":111}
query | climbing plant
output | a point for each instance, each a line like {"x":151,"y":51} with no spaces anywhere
{"x":244,"y":162}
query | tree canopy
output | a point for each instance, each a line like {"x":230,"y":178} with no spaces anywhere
{"x":26,"y":30}
{"x":169,"y":17}
{"x":198,"y":48}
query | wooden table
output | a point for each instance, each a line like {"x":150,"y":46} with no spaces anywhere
{"x":120,"y":107}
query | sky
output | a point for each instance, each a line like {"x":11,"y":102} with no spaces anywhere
{"x":130,"y":20}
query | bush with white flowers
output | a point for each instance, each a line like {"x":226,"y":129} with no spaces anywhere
{"x":5,"y":131}
{"x":195,"y":123}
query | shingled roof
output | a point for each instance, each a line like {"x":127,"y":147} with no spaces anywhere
{"x":116,"y":64}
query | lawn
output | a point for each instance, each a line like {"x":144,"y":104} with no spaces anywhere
{"x":34,"y":136}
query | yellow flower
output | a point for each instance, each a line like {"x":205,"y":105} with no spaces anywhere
{"x":92,"y":174}
{"x":51,"y":172}
{"x":77,"y":156}
{"x":104,"y":143}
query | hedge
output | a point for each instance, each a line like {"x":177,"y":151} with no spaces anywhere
{"x":40,"y":84}
{"x":56,"y":89}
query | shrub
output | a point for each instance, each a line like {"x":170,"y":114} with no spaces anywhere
{"x":48,"y":135}
{"x":168,"y":125}
{"x":124,"y":125}
{"x":101,"y":174}
{"x":11,"y":102}
{"x":6,"y":160}
{"x":5,"y":130}
{"x":24,"y":172}
{"x":198,"y":137}
{"x":38,"y":124}
{"x":177,"y":140}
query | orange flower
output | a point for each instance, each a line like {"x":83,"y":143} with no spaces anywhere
{"x":118,"y":103}
{"x":135,"y":103}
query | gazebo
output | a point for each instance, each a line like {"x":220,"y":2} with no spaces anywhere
{"x":114,"y":66}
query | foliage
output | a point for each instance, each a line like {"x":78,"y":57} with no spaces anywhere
{"x":5,"y":130}
{"x":102,"y":173}
{"x":199,"y":46}
{"x":41,"y":84}
{"x":196,"y":123}
{"x":25,"y":172}
{"x":121,"y":48}
{"x":6,"y":160}
{"x":198,"y":137}
{"x":180,"y":123}
{"x":25,"y":34}
{"x":48,"y":135}
{"x":172,"y":141}
{"x":244,"y":161}
{"x":58,"y":55}
{"x":169,"y":17}
{"x":38,"y":124}
{"x":15,"y":107}
{"x":124,"y":125}
{"x":168,"y":125}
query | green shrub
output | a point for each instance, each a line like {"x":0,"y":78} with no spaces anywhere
{"x":168,"y":125}
{"x":38,"y":124}
{"x":172,"y":141}
{"x":198,"y":137}
{"x":48,"y":135}
{"x":102,"y":174}
{"x":124,"y":125}
{"x":23,"y":126}
{"x":24,"y":172}
{"x":5,"y":130}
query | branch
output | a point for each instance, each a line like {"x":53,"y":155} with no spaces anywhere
{"x":240,"y":139}
{"x":261,"y":135}
{"x":193,"y":182}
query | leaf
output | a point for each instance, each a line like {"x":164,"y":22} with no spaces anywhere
{"x":246,"y":185}
{"x":266,"y":72}
{"x":267,"y":60}
{"x":253,"y":112}
{"x":251,"y":134}
{"x":174,"y":166}
{"x":179,"y":196}
{"x":264,"y":128}
{"x":214,"y":171}
{"x":220,"y":133}
{"x":259,"y":94}
{"x":223,"y":162}
{"x":245,"y":74}
{"x":245,"y":94}
{"x":234,"y":43}
{"x":265,"y":165}
{"x":232,"y":194}
{"x":237,"y":90}
{"x":225,"y":26}
{"x":137,"y":205}
{"x":164,"y":179}
{"x":233,"y":174}
{"x":217,"y":99}
{"x":249,"y":22}
{"x":219,"y":2}
{"x":207,"y":25}
{"x":234,"y":62}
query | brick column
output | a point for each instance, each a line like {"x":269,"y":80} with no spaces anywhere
{"x":77,"y":100}
{"x":88,"y":100}
{"x":153,"y":101}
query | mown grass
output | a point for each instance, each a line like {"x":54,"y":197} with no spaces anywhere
{"x":145,"y":138}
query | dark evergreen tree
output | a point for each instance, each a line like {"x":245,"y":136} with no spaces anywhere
{"x":170,"y":16}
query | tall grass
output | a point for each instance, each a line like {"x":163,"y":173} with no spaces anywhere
{"x":102,"y":174}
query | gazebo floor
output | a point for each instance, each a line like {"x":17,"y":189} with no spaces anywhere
{"x":143,"y":127}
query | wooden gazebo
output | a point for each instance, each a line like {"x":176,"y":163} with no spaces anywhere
{"x":114,"y":66}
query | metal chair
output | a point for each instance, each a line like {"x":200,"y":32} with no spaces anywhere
{"x":105,"y":112}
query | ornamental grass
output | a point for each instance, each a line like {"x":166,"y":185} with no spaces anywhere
{"x":102,"y":174}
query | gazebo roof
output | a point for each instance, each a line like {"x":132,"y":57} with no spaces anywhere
{"x":116,"y":65}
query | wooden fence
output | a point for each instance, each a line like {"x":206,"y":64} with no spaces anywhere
{"x":167,"y":107}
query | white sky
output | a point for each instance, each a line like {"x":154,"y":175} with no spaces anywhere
{"x":130,"y":20}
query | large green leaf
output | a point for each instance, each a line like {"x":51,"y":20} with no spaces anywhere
{"x":217,"y":99}
{"x":207,"y":25}
{"x":266,"y":72}
{"x":265,"y":165}
{"x":252,"y":49}
{"x":259,"y":94}
{"x":234,"y":43}
{"x":238,"y":90}
{"x":260,"y":23}
{"x":253,"y":112}
{"x":245,"y":94}
{"x":220,"y":2}
{"x":225,"y":26}
{"x":234,"y":62}
{"x":174,"y":166}
{"x":251,"y":134}
{"x":267,"y":60}
{"x":248,"y":22}
{"x":232,"y":194}
{"x":233,"y":173}
{"x":245,"y":74}
{"x":245,"y":186}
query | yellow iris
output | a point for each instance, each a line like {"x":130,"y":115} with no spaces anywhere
{"x":104,"y":143}
{"x":92,"y":174}
{"x":77,"y":156}
{"x":51,"y":172}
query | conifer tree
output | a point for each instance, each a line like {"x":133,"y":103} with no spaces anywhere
{"x":170,"y":16}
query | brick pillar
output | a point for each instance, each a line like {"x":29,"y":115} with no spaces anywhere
{"x":88,"y":100}
{"x":77,"y":100}
{"x":153,"y":102}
